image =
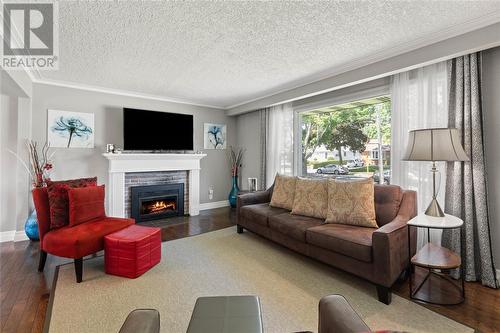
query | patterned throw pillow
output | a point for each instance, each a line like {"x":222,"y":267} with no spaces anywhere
{"x":311,"y":198}
{"x":351,"y":202}
{"x":59,"y":201}
{"x":283,"y":192}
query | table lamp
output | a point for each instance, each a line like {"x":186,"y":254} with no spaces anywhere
{"x":434,"y":144}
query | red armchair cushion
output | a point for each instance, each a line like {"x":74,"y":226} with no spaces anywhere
{"x":85,"y":204}
{"x":58,"y":199}
{"x":82,"y":239}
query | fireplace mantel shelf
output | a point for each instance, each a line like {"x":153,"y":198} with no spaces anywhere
{"x":119,"y":164}
{"x":145,"y":156}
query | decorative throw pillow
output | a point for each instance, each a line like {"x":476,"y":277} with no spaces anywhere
{"x":351,"y":202}
{"x":311,"y":198}
{"x":85,"y":204}
{"x":58,"y":199}
{"x":283,"y":192}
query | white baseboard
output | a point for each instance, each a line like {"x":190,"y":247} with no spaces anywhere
{"x":7,"y":236}
{"x":12,"y":235}
{"x":498,"y":276}
{"x":215,"y":204}
{"x":20,"y":236}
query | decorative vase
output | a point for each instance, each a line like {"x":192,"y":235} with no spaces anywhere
{"x":233,"y":195}
{"x":31,"y":227}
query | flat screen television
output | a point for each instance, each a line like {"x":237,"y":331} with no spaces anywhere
{"x":156,"y":131}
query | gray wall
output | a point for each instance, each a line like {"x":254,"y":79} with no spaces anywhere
{"x":8,"y":162}
{"x":248,"y":137}
{"x":15,"y":127}
{"x":108,"y":118}
{"x":491,"y":109}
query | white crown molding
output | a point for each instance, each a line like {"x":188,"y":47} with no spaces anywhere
{"x":398,"y":49}
{"x":120,"y":92}
{"x":213,"y":205}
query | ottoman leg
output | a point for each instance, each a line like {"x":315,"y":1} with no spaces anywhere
{"x":79,"y":269}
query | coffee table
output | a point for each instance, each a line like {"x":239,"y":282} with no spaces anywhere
{"x":225,"y":314}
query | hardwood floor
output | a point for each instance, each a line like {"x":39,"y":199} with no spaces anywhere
{"x":24,"y":293}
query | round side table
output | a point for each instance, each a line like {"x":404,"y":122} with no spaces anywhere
{"x":436,"y":287}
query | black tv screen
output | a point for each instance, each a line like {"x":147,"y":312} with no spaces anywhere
{"x":153,"y":130}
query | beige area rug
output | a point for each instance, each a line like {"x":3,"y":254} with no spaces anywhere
{"x":226,"y":263}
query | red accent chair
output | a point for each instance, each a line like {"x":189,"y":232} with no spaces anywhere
{"x":72,"y":242}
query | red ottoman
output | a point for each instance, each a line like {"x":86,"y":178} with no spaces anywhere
{"x":132,"y":251}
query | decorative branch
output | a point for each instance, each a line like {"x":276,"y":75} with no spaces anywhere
{"x":38,"y":168}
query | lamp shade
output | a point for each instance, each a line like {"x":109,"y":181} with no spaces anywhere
{"x":434,"y":144}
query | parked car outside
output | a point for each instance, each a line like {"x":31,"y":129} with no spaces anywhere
{"x":387,"y":177}
{"x":334,"y":169}
{"x":356,"y":163}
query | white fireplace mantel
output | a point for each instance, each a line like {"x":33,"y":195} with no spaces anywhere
{"x":119,"y":164}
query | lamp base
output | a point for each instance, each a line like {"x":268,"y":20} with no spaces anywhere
{"x":434,"y":209}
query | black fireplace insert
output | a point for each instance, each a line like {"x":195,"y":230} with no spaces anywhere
{"x":152,"y":202}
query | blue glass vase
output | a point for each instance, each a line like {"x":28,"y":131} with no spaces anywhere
{"x":233,"y":195}
{"x":31,"y":227}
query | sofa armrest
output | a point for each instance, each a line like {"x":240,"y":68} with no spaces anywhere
{"x":254,"y":198}
{"x":390,"y":242}
{"x":337,"y":316}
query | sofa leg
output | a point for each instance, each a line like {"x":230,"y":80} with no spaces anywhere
{"x":404,"y":274}
{"x":239,"y":229}
{"x":79,"y":269}
{"x":384,"y":294}
{"x":41,"y":262}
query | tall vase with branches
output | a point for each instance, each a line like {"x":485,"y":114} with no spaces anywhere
{"x":38,"y":167}
{"x":235,"y":158}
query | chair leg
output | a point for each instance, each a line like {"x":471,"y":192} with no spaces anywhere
{"x":41,"y":262}
{"x":79,"y":269}
{"x":384,"y":294}
{"x":239,"y":229}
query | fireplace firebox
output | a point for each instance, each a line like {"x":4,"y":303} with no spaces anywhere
{"x":152,"y":202}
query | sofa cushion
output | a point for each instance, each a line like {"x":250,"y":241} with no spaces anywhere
{"x":352,"y":241}
{"x":85,"y":204}
{"x":82,"y":239}
{"x":59,"y":201}
{"x":283,"y":192}
{"x":351,"y":202}
{"x":293,"y":226}
{"x":387,"y":201}
{"x":311,"y":198}
{"x":259,"y":213}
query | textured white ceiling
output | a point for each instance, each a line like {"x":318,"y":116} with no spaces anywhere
{"x":226,"y":53}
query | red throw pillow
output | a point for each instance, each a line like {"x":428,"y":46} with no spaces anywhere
{"x":58,"y":199}
{"x":85,"y":204}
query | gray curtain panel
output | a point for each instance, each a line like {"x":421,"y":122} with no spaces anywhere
{"x":263,"y":146}
{"x":466,"y":195}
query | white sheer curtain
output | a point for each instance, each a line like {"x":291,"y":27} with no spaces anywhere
{"x":279,"y":148}
{"x":419,"y":100}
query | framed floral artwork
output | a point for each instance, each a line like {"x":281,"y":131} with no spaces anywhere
{"x":214,"y":136}
{"x":67,"y":129}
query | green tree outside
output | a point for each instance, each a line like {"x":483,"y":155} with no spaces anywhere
{"x":347,"y":128}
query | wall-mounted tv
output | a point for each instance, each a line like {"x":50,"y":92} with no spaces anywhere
{"x":156,"y":131}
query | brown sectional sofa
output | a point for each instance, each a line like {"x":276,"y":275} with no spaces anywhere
{"x":377,"y":255}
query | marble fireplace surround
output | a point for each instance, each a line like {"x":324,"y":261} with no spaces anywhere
{"x":120,"y":164}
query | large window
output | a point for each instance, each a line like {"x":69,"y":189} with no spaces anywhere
{"x":351,"y":139}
